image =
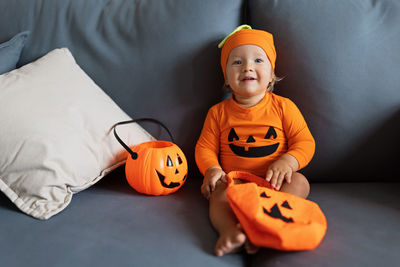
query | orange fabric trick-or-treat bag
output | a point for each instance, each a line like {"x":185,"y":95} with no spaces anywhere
{"x":272,"y":218}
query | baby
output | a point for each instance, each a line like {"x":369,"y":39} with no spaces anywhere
{"x":254,"y":131}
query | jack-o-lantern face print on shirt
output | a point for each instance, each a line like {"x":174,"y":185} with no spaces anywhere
{"x":252,"y":151}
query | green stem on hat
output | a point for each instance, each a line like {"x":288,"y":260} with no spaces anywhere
{"x":241,"y":27}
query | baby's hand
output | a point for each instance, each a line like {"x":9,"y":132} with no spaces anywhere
{"x":277,"y":172}
{"x":211,"y":177}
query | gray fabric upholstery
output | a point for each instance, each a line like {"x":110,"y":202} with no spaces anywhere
{"x":340,"y":66}
{"x":110,"y":224}
{"x":159,"y":59}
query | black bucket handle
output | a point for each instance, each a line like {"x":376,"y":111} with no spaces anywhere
{"x":134,"y":155}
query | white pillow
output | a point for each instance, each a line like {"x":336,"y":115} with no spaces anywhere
{"x":55,"y":137}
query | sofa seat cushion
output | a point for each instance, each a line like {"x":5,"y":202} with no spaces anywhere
{"x":110,"y":224}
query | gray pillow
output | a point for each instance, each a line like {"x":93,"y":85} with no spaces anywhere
{"x":341,"y":64}
{"x":10,"y":51}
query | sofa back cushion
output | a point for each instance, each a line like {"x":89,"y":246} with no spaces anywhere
{"x":154,"y":58}
{"x":340,"y":61}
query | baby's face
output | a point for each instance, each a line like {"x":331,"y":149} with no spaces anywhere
{"x":248,"y":71}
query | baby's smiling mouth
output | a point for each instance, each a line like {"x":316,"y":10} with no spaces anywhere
{"x":248,"y":78}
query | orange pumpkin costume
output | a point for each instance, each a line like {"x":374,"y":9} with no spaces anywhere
{"x":250,"y":139}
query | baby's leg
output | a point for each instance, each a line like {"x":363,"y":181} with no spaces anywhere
{"x":231,"y":236}
{"x":299,"y":186}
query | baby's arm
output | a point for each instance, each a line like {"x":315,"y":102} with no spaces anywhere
{"x":206,"y":154}
{"x":301,"y":146}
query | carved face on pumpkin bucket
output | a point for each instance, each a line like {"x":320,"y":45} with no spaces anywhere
{"x":252,"y":151}
{"x":172,"y":172}
{"x":159,"y":168}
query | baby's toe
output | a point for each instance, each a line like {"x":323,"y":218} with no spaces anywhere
{"x":250,"y":247}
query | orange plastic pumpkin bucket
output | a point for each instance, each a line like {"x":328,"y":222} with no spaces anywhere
{"x":154,"y":167}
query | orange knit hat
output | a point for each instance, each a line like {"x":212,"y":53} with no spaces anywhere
{"x":245,"y":35}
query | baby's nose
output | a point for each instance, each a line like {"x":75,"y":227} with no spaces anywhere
{"x":248,"y":67}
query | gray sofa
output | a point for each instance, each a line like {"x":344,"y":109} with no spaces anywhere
{"x":158,"y":58}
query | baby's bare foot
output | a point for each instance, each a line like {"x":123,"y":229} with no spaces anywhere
{"x":248,"y":246}
{"x":230,"y":241}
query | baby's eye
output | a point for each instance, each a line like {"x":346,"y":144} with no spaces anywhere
{"x":259,"y":60}
{"x":237,"y":62}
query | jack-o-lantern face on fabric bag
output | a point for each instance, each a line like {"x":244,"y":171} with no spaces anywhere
{"x":252,"y":149}
{"x":272,"y":218}
{"x":275,"y":210}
